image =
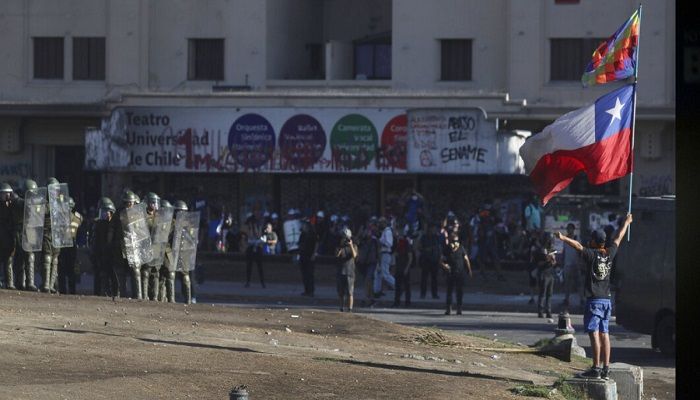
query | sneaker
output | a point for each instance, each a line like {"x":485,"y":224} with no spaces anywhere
{"x":459,"y":311}
{"x":605,"y":373}
{"x":592,"y":373}
{"x":448,"y":311}
{"x":549,"y":315}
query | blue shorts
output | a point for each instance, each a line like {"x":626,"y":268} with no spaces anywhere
{"x":597,"y":315}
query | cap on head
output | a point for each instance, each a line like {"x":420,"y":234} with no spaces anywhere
{"x":599,"y":236}
{"x":334,"y":218}
{"x":320,"y":214}
{"x":290,"y":212}
{"x":274,"y":216}
{"x":180,"y":206}
{"x":5,"y":188}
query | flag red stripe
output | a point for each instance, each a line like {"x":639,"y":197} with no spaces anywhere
{"x":601,"y":161}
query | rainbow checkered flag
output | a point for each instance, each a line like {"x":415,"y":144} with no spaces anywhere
{"x":616,"y":58}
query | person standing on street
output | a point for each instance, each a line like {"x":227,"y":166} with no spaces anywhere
{"x":545,"y":260}
{"x":386,"y":244}
{"x":456,"y":262}
{"x":67,"y":260}
{"x":598,"y":307}
{"x":345,"y":255}
{"x":404,"y":262}
{"x":7,"y":236}
{"x":101,"y":242}
{"x":253,"y":249}
{"x":430,"y":245}
{"x":308,"y":250}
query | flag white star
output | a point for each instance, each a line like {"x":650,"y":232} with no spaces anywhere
{"x":615,"y":111}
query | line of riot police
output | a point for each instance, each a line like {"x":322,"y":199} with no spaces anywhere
{"x":140,"y":245}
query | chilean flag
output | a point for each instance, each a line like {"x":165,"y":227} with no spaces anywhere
{"x":593,"y":139}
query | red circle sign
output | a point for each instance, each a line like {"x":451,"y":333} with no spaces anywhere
{"x":395,"y":141}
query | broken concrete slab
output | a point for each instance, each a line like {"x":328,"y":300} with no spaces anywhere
{"x":629,"y":380}
{"x":594,"y":389}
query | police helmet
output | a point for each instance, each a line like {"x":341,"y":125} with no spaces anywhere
{"x":52,"y":181}
{"x":180,"y":206}
{"x":165,"y":203}
{"x":5,"y":188}
{"x":152,"y":197}
{"x":129,"y":196}
{"x":29,"y":184}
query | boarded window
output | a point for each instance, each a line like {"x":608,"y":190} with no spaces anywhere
{"x":89,"y":58}
{"x":206,"y":60}
{"x":569,"y":57}
{"x":48,"y":58}
{"x":456,"y":60}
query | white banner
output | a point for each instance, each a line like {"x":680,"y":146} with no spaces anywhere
{"x":349,"y":140}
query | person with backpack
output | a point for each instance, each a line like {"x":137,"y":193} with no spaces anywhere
{"x":597,"y":311}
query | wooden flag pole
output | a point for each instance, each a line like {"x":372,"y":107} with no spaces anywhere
{"x":634,"y":116}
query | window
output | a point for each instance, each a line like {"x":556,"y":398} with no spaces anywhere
{"x":48,"y":58}
{"x":373,"y":58}
{"x":569,"y":57}
{"x":456,"y":60}
{"x":206,"y":60}
{"x":89,"y":58}
{"x":581,"y":186}
{"x":315,"y":59}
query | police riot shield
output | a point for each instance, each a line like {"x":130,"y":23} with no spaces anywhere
{"x":35,"y":203}
{"x":137,"y":236}
{"x":59,"y":212}
{"x":185,"y":239}
{"x":292,"y":232}
{"x":160,"y":233}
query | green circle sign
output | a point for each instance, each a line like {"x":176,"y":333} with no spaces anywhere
{"x":354,"y":141}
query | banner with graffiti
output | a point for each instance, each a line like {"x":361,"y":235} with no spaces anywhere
{"x":247,"y":140}
{"x":351,"y":140}
{"x":452,"y":141}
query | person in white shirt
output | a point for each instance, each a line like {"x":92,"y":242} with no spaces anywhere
{"x":386,"y":244}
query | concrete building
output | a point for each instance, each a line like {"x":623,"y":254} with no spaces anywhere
{"x":162,"y":87}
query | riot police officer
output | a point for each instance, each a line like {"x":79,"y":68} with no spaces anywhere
{"x":28,"y":241}
{"x":50,"y":250}
{"x":149,"y":272}
{"x":67,"y":260}
{"x":180,"y":206}
{"x":101,"y":238}
{"x":121,"y":264}
{"x":7,"y":237}
{"x":165,"y":290}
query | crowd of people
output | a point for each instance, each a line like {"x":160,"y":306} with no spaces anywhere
{"x":386,"y":250}
{"x":151,"y":242}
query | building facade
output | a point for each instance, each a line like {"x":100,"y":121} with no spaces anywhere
{"x":265,"y":105}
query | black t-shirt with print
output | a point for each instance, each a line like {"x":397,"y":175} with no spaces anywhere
{"x":598,"y":267}
{"x":455,"y":259}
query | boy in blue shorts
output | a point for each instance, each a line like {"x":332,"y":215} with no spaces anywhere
{"x":596,"y":317}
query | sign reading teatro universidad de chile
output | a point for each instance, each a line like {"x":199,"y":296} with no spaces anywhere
{"x":352,"y":140}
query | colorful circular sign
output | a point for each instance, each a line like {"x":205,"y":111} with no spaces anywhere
{"x":353,"y":142}
{"x":251,"y":141}
{"x":395,"y":141}
{"x":302,"y":141}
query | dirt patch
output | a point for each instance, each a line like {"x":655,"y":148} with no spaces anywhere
{"x":84,"y":347}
